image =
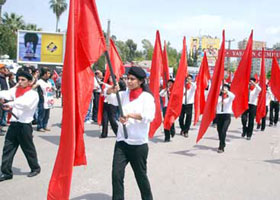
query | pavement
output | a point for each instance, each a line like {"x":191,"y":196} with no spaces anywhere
{"x":180,"y":169}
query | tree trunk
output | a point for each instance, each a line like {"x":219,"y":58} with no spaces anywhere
{"x":56,"y":27}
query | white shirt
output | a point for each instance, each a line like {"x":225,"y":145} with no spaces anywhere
{"x":96,"y":86}
{"x":110,"y":99}
{"x":47,"y":89}
{"x":137,"y":130}
{"x":227,"y":104}
{"x":268,"y":97}
{"x":163,"y":93}
{"x":254,"y":94}
{"x":24,"y":106}
{"x":190,"y":94}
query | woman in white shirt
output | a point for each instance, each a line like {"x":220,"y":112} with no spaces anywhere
{"x":224,"y":110}
{"x":139,"y":110}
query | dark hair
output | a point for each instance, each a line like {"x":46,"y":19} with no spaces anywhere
{"x":253,"y":79}
{"x":24,"y":71}
{"x":227,"y":86}
{"x":43,"y":71}
{"x":189,"y":75}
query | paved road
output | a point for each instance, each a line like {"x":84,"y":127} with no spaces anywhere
{"x":181,"y":169}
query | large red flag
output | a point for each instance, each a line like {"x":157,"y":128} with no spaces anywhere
{"x":175,"y":102}
{"x":156,"y":68}
{"x":240,"y":82}
{"x":165,"y":69}
{"x":201,"y":83}
{"x":84,"y":45}
{"x":274,"y":79}
{"x":118,"y":69}
{"x":261,"y":106}
{"x":212,"y":99}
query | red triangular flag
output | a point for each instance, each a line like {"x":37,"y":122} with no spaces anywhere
{"x":228,"y":79}
{"x":274,"y":79}
{"x":175,"y":102}
{"x":155,"y":84}
{"x":165,"y":69}
{"x":256,"y":77}
{"x":240,"y":82}
{"x":201,"y":83}
{"x":213,"y":95}
{"x":261,"y":106}
{"x":118,"y":69}
{"x":84,"y":45}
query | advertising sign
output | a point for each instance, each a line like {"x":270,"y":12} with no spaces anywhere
{"x":40,"y":47}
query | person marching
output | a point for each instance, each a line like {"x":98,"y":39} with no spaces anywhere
{"x":250,"y":113}
{"x":273,"y":111}
{"x":139,"y":110}
{"x":23,"y":100}
{"x":166,"y":94}
{"x":267,"y":102}
{"x":223,"y":117}
{"x":187,"y":107}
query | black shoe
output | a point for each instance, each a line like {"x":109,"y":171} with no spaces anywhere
{"x":186,"y":134}
{"x":5,"y":177}
{"x":258,"y":126}
{"x":182,"y":132}
{"x":270,"y":125}
{"x":172,"y":134}
{"x":248,"y":138}
{"x":102,"y":136}
{"x":166,"y":140}
{"x":33,"y":173}
{"x":243,"y":135}
{"x":220,"y":151}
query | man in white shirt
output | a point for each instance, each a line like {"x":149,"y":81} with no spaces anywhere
{"x":96,"y":93}
{"x":273,"y":111}
{"x":45,"y":90}
{"x":250,"y":114}
{"x":185,"y":117}
{"x":23,"y":100}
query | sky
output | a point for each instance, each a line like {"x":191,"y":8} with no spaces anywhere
{"x":138,"y":20}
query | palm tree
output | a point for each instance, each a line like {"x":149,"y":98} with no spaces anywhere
{"x":58,"y":7}
{"x":2,"y":2}
{"x":13,"y":21}
{"x":32,"y":27}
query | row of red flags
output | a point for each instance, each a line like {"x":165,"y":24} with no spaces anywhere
{"x":85,"y":43}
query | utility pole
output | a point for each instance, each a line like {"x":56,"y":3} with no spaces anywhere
{"x":108,"y":39}
{"x":228,"y":58}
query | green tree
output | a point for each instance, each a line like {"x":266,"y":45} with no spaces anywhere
{"x":58,"y":7}
{"x":173,"y":56}
{"x":122,"y":49}
{"x":2,"y":2}
{"x":148,"y":49}
{"x":32,"y":27}
{"x":13,"y":21}
{"x":132,"y":50}
{"x":8,"y":41}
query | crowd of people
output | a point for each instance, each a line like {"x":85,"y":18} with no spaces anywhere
{"x":28,"y":96}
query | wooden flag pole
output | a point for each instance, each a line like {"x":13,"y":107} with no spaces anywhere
{"x":118,"y":95}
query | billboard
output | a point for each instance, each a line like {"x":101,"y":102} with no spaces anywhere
{"x":40,"y":47}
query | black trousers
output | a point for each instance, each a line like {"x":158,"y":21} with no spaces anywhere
{"x":185,"y":123}
{"x":19,"y":134}
{"x":273,"y":112}
{"x":109,"y":114}
{"x":136,"y":155}
{"x":223,"y":122}
{"x":263,"y":121}
{"x":167,"y":133}
{"x":95,"y":105}
{"x":248,"y":115}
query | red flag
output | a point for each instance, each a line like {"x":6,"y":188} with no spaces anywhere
{"x":165,"y":69}
{"x":118,"y":69}
{"x":201,"y":83}
{"x":256,"y":77}
{"x":213,"y":95}
{"x":240,"y":82}
{"x":228,"y":79}
{"x":84,"y":45}
{"x":175,"y":102}
{"x":55,"y":76}
{"x":156,"y":68}
{"x":274,"y":79}
{"x":261,"y":106}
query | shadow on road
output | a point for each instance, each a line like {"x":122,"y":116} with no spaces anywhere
{"x":51,"y":139}
{"x":93,"y":196}
{"x":276,"y":161}
{"x":17,"y":171}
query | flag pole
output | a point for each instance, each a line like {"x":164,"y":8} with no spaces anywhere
{"x":118,"y":95}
